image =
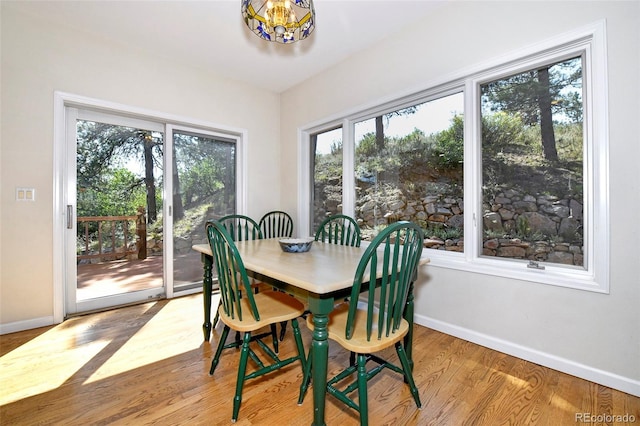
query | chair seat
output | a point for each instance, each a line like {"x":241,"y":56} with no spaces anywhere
{"x":358,"y":342}
{"x":274,"y":307}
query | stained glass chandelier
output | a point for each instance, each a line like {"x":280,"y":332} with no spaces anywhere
{"x":281,"y":21}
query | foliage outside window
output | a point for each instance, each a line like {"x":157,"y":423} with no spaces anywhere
{"x":408,"y":166}
{"x":120,"y":169}
{"x":204,"y":175}
{"x":204,"y":187}
{"x":326,"y":160}
{"x":532,"y":164}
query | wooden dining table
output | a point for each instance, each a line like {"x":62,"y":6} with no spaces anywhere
{"x":321,"y":276}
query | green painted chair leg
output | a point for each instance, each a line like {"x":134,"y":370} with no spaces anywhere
{"x":362,"y":390}
{"x":306,"y":379}
{"x":215,"y":319}
{"x":274,"y":333}
{"x":216,"y":358}
{"x":242,"y":369}
{"x":298,"y":339}
{"x":406,"y":366}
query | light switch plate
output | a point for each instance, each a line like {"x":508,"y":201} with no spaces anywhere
{"x":25,"y":194}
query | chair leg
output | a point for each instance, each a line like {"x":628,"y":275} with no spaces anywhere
{"x":274,"y":334}
{"x":283,"y":330}
{"x":408,"y":374}
{"x":215,"y":319}
{"x":362,"y":390}
{"x":242,"y":370}
{"x":306,"y":378}
{"x":216,"y":358}
{"x":298,"y":339}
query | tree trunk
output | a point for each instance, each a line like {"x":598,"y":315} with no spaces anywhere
{"x":149,"y":180}
{"x":379,"y":134}
{"x":229,"y":181}
{"x":546,"y":117}
{"x":178,"y":207}
{"x":141,"y":232}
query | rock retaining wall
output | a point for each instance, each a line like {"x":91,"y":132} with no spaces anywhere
{"x":538,"y":227}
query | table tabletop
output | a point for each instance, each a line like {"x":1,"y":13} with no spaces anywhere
{"x":324,"y":269}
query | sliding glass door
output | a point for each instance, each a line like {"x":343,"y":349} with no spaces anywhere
{"x":115,"y":173}
{"x":203,"y":187}
{"x":138,"y":194}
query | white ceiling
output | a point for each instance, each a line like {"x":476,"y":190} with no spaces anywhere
{"x":211,"y":34}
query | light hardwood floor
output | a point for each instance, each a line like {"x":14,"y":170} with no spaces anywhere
{"x":148,"y":364}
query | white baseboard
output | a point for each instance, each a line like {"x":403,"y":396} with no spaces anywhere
{"x":13,"y":327}
{"x":564,"y":365}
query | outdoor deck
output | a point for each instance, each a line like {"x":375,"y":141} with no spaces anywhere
{"x":121,"y":276}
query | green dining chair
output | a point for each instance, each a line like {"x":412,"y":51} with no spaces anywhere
{"x":276,"y":224}
{"x":365,"y":324}
{"x":242,"y":228}
{"x":243,"y":311}
{"x":339,"y":229}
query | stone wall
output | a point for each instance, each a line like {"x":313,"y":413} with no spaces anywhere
{"x":538,"y":227}
{"x":543,"y":227}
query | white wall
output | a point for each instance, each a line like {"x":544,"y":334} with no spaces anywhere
{"x":38,"y":59}
{"x":591,"y":335}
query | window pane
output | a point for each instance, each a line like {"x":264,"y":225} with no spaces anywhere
{"x":532,"y":165}
{"x":119,"y":175}
{"x":204,"y":188}
{"x":326,"y":164}
{"x":408,"y":166}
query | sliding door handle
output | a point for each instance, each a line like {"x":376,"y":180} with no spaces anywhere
{"x":69,"y":216}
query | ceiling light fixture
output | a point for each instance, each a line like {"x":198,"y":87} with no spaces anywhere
{"x":281,"y":21}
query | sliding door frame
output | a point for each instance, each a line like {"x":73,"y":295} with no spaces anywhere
{"x":61,"y":164}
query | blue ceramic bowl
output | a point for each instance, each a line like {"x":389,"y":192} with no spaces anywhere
{"x":296,"y":245}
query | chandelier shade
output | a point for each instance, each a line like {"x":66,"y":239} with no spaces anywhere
{"x":279,"y":21}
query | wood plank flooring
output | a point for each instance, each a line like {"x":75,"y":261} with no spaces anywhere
{"x":148,"y":364}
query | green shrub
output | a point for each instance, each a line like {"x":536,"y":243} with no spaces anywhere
{"x":501,"y":131}
{"x":448,"y":150}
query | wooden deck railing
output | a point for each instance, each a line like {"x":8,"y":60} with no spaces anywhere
{"x":113,"y":242}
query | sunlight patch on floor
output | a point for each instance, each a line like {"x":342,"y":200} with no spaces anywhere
{"x":89,"y":348}
{"x":53,"y":364}
{"x":153,"y":343}
{"x":563,"y":404}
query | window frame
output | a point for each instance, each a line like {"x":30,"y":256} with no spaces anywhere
{"x":588,"y":42}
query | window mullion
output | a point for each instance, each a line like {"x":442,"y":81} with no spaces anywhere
{"x":472,"y":171}
{"x":348,"y":167}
